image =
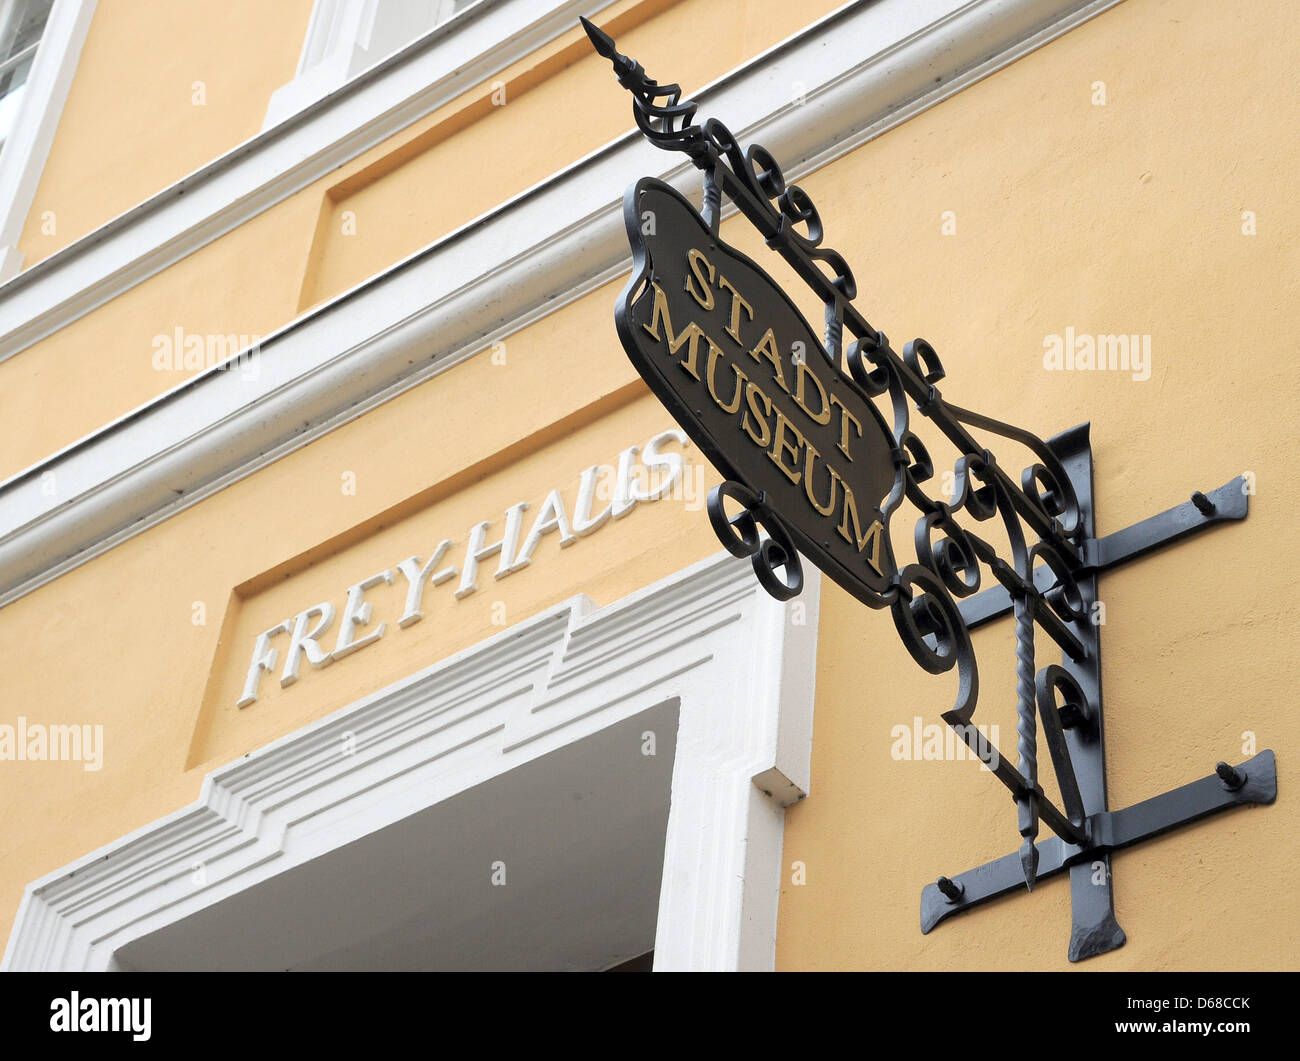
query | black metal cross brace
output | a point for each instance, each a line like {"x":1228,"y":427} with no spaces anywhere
{"x":1095,"y":930}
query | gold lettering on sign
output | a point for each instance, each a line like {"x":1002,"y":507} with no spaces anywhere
{"x":692,"y":333}
{"x":696,"y":286}
{"x":873,"y":534}
{"x":804,"y":375}
{"x":810,"y":456}
{"x":766,"y":351}
{"x":846,"y":418}
{"x":737,"y":304}
{"x":754,"y":416}
{"x":733,"y":404}
{"x":775,"y":430}
{"x":782,"y":444}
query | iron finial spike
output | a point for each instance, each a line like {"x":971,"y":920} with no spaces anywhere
{"x":604,"y":44}
{"x":600,"y":40}
{"x":660,"y":112}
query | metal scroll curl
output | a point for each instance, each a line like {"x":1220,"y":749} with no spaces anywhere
{"x":932,"y":630}
{"x":775,"y":558}
{"x":789,"y":210}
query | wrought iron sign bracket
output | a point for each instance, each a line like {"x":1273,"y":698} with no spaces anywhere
{"x":1095,"y":929}
{"x":812,"y":435}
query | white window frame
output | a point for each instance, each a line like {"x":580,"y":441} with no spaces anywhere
{"x":345,"y":37}
{"x":22,"y":158}
{"x":740,"y":665}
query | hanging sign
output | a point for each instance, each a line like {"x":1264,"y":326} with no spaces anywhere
{"x":736,"y":364}
{"x":790,"y":421}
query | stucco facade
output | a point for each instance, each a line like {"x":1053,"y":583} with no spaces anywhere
{"x":246,"y":370}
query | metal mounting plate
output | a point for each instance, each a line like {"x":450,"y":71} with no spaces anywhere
{"x":1095,"y":929}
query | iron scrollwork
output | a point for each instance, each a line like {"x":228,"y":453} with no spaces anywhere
{"x":775,"y":559}
{"x":1040,"y":503}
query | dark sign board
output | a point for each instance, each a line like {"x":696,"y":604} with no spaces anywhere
{"x":733,"y":360}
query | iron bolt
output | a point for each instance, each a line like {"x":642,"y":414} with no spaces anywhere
{"x":1203,"y":504}
{"x":952,"y":891}
{"x":1232,"y":778}
{"x":1071,"y":716}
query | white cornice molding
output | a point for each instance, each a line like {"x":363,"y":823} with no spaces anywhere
{"x":745,"y":718}
{"x":231,"y":190}
{"x":519,"y":262}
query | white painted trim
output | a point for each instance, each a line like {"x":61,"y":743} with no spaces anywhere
{"x":22,"y":159}
{"x":409,"y":85}
{"x":492,"y":276}
{"x":333,"y":31}
{"x":345,"y":37}
{"x":278,"y":162}
{"x":709,"y":636}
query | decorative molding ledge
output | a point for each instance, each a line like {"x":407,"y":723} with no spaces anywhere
{"x":710,"y":637}
{"x":547,"y":246}
{"x":231,"y":190}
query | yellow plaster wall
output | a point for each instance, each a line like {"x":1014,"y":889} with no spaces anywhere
{"x":1122,"y":218}
{"x":420,"y":184}
{"x":114,"y":641}
{"x":525,"y":125}
{"x":1107,"y":219}
{"x":137,"y":118}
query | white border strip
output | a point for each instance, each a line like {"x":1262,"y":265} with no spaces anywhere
{"x":740,"y":666}
{"x":22,"y":160}
{"x":488,"y":278}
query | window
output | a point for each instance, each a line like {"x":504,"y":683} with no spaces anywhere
{"x":345,"y":37}
{"x":21,"y":24}
{"x":389,"y":27}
